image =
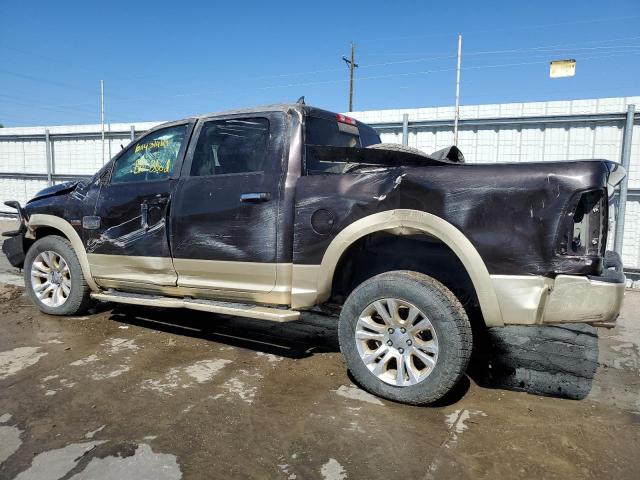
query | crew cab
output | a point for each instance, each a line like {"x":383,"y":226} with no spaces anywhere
{"x":271,"y":211}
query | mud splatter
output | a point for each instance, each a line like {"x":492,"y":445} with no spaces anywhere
{"x":12,"y":361}
{"x":143,"y":464}
{"x":332,"y":470}
{"x":242,"y":387}
{"x":456,"y":422}
{"x":354,"y":393}
{"x":56,"y":463}
{"x":85,"y":361}
{"x":93,"y":433}
{"x":185,"y":377}
{"x":9,"y":440}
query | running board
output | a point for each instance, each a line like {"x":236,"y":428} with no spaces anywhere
{"x":213,"y":306}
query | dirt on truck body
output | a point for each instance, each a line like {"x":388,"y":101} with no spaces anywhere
{"x":267,"y":212}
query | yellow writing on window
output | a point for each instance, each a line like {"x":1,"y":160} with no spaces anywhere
{"x":143,"y":165}
{"x":151,"y":145}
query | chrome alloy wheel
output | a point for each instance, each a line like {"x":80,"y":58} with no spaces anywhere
{"x":397,"y":342}
{"x":51,"y":278}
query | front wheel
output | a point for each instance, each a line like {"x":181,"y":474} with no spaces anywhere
{"x":53,"y":277}
{"x":405,"y":337}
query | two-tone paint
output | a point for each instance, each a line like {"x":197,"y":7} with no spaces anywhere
{"x":202,"y":238}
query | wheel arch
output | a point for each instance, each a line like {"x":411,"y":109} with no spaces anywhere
{"x":410,"y":222}
{"x":51,"y":224}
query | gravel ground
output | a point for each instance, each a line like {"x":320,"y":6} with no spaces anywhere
{"x":143,"y":393}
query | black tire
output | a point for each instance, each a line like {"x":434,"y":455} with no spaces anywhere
{"x":78,"y":299}
{"x":448,"y":319}
{"x":396,"y":147}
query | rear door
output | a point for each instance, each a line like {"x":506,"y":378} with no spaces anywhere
{"x":224,"y":227}
{"x":127,"y":238}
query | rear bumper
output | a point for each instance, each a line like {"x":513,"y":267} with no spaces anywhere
{"x":529,"y":300}
{"x":595,"y":300}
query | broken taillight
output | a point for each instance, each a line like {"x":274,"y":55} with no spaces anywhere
{"x":585,"y":231}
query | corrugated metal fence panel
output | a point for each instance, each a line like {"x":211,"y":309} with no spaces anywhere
{"x":526,"y":142}
{"x":19,"y":189}
{"x":77,"y":149}
{"x":26,"y":156}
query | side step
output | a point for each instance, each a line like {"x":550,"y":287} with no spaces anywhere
{"x":213,"y":306}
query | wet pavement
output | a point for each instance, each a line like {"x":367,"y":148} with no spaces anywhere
{"x":150,"y":394}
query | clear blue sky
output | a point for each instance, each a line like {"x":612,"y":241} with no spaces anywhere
{"x":164,"y":60}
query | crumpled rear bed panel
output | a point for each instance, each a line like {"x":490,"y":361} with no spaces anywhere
{"x":511,"y":213}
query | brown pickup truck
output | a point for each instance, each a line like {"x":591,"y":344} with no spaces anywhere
{"x":271,"y":211}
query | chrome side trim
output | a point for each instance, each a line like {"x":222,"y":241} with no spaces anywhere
{"x":38,"y":220}
{"x":235,"y":309}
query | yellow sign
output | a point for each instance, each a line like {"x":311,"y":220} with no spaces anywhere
{"x":562,"y":68}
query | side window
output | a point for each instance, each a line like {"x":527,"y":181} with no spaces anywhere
{"x":152,"y":158}
{"x":236,"y":145}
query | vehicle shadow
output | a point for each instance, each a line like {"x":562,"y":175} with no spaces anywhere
{"x":558,"y":361}
{"x":551,"y":360}
{"x":313,"y":333}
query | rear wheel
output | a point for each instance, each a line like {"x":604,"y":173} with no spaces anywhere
{"x":53,"y":277}
{"x":405,"y":337}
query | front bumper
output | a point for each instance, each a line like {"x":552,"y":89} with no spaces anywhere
{"x":13,"y":248}
{"x":596,"y":300}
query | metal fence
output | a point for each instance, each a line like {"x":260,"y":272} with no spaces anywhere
{"x":33,"y":157}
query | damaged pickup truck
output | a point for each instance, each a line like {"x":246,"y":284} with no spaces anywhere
{"x":271,"y":211}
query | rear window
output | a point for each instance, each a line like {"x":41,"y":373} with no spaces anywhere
{"x":322,"y":131}
{"x":331,"y":133}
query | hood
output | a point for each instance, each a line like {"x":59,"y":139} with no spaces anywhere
{"x":58,"y":189}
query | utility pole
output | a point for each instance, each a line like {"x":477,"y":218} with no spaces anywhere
{"x":457,"y":117}
{"x":102,"y":116}
{"x":352,"y":65}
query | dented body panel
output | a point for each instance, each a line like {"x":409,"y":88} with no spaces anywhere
{"x":511,"y":213}
{"x":280,"y":235}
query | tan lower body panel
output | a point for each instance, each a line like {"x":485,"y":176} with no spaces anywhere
{"x":530,"y":300}
{"x":268,"y":283}
{"x":270,"y":280}
{"x":155,"y":270}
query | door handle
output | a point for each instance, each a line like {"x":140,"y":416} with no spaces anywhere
{"x":255,"y":197}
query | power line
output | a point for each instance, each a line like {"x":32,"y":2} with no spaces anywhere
{"x":372,"y":77}
{"x":45,"y":80}
{"x":510,"y":28}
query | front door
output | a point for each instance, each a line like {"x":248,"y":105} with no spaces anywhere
{"x":127,"y":241}
{"x":225,"y":216}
